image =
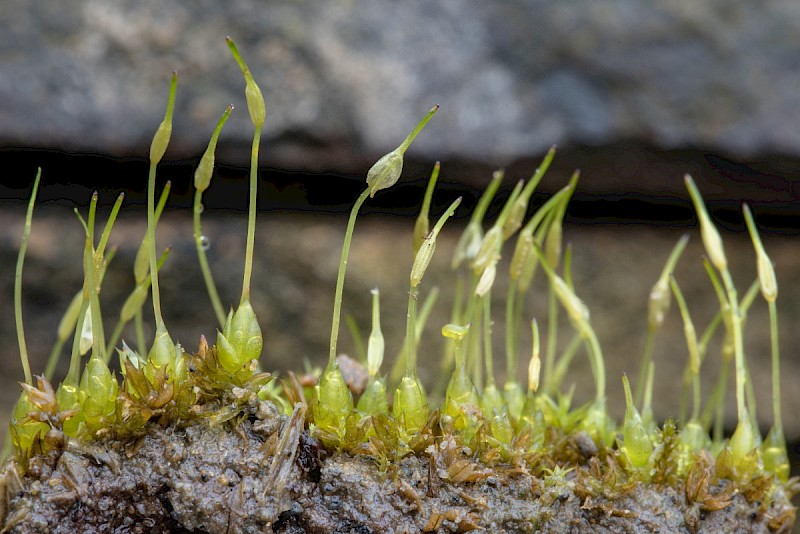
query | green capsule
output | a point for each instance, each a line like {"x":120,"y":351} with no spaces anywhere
{"x":422,"y":260}
{"x":468,"y":245}
{"x":422,"y":224}
{"x":252,"y":93}
{"x":375,"y":344}
{"x":374,"y":400}
{"x":553,"y":242}
{"x":596,"y":423}
{"x":490,"y":249}
{"x":205,"y":169}
{"x":26,"y":432}
{"x":68,"y":397}
{"x":426,"y":250}
{"x":693,"y":438}
{"x":410,"y":407}
{"x":486,"y":281}
{"x":387,"y":170}
{"x":501,"y":428}
{"x":333,"y":403}
{"x":522,"y":251}
{"x":98,"y":390}
{"x":164,"y":353}
{"x":636,"y":440}
{"x":743,"y":442}
{"x":515,"y":398}
{"x":775,"y":456}
{"x":518,"y":209}
{"x":134,"y":302}
{"x":241,"y":340}
{"x":491,"y":401}
{"x":461,"y":396}
{"x":711,"y":238}
{"x":658,"y":303}
{"x":161,"y":138}
{"x":531,"y":420}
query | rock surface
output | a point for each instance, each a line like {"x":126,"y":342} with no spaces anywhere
{"x":346,"y":79}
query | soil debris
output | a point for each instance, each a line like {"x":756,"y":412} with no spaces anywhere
{"x":263,"y":472}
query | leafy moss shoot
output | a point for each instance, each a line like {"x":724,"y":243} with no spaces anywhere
{"x":527,"y":423}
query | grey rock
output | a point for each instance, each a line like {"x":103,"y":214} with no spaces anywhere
{"x":346,"y":80}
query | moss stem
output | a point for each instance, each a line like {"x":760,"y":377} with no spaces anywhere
{"x":337,"y":299}
{"x":23,"y":347}
{"x":251,"y":215}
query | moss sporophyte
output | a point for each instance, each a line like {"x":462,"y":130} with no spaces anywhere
{"x":527,"y":426}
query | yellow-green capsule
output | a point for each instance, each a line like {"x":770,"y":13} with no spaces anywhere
{"x":252,"y":93}
{"x":500,"y":426}
{"x":374,"y":401}
{"x":98,"y":390}
{"x":422,"y":259}
{"x":486,"y":281}
{"x":454,"y":331}
{"x":460,"y":395}
{"x":387,"y":170}
{"x":514,"y":397}
{"x":410,"y":408}
{"x":161,"y":138}
{"x":134,"y":302}
{"x":553,"y":242}
{"x":492,"y":401}
{"x":375,"y":344}
{"x":422,"y":224}
{"x":743,"y":442}
{"x":241,"y":340}
{"x":535,"y":365}
{"x":711,"y":238}
{"x":766,"y":272}
{"x":775,"y":456}
{"x":693,"y":438}
{"x":164,"y":353}
{"x":468,"y":245}
{"x":87,"y":337}
{"x":425,"y":253}
{"x":636,"y":441}
{"x":522,"y":251}
{"x":518,"y":209}
{"x":334,"y":402}
{"x":25,"y":432}
{"x":490,"y":249}
{"x":658,"y":303}
{"x":660,"y":296}
{"x":205,"y":169}
{"x":576,"y":309}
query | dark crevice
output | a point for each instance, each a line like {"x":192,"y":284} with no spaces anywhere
{"x":624,"y":183}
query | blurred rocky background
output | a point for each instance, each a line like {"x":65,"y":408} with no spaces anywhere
{"x":634,"y":94}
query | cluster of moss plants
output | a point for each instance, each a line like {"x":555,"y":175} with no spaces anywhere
{"x":528,"y":425}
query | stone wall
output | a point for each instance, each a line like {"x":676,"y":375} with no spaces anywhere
{"x":345,"y":80}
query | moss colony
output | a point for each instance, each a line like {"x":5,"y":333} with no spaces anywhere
{"x":207,"y":441}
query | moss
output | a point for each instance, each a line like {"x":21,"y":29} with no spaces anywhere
{"x":207,"y":441}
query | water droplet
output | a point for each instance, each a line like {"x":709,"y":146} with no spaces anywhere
{"x":205,"y":242}
{"x":200,"y":208}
